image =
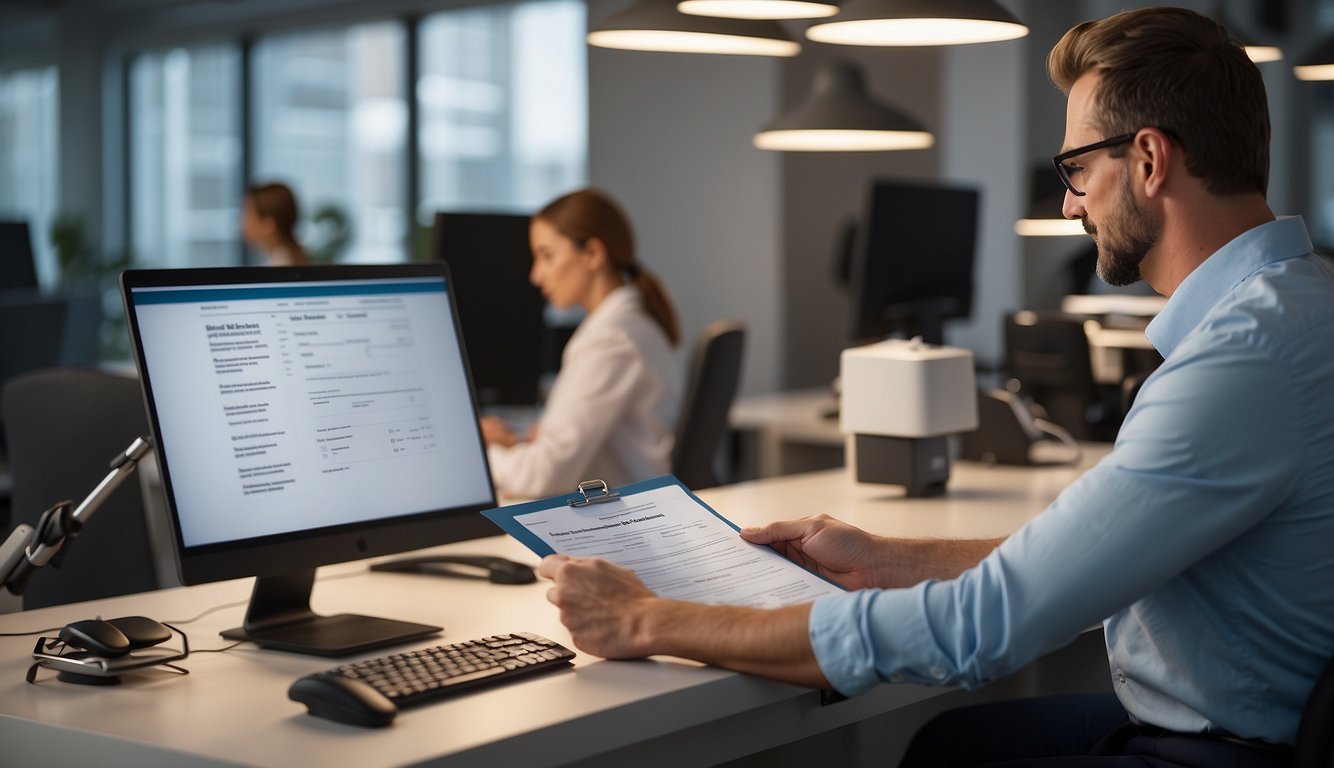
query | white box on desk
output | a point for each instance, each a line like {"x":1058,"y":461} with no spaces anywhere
{"x":907,"y":389}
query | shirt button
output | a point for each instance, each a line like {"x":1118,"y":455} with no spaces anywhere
{"x":938,"y":673}
{"x":896,"y":678}
{"x":1120,"y":676}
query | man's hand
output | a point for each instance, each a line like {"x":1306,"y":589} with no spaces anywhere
{"x":600,"y":603}
{"x":847,"y":556}
{"x":610,"y":613}
{"x":855,"y":559}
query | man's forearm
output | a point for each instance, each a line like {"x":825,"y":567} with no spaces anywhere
{"x":770,"y":643}
{"x":911,"y":561}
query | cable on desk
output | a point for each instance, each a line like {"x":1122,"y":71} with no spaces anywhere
{"x":214,"y":609}
{"x":30,"y":634}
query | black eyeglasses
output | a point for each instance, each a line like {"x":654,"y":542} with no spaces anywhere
{"x":1068,"y":172}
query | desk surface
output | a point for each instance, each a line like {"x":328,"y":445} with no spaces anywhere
{"x":232,"y":708}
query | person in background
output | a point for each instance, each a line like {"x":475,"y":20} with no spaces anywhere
{"x":612,"y":409}
{"x":1201,"y":542}
{"x":268,"y":223}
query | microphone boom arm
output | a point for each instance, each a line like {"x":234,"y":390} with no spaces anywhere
{"x":29,"y":548}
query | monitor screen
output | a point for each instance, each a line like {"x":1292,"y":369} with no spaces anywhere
{"x":912,"y":259}
{"x":17,"y":269}
{"x":306,"y":416}
{"x":500,"y":310}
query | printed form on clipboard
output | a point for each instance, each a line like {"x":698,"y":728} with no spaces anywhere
{"x":677,"y":545}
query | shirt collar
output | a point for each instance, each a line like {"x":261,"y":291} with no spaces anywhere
{"x":1278,"y":240}
{"x":611,"y":304}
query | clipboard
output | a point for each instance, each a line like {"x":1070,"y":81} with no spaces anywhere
{"x":586,"y":495}
{"x":678,"y":545}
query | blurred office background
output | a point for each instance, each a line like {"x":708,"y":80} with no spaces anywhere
{"x":140,"y":121}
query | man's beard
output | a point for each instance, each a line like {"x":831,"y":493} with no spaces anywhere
{"x":1130,"y":233}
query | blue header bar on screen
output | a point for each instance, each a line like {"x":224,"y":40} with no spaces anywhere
{"x":296,"y":291}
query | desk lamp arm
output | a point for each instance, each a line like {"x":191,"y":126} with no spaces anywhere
{"x":29,"y":548}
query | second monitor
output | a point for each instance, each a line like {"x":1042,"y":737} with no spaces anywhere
{"x":500,"y":312}
{"x":912,"y":260}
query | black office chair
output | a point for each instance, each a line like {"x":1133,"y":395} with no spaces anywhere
{"x":1048,"y":353}
{"x":63,"y":426}
{"x":715,"y":372}
{"x":1315,"y":734}
{"x":31,"y":329}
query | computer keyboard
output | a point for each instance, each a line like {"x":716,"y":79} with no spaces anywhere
{"x":370,"y":692}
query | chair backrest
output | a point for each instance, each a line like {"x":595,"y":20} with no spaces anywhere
{"x":711,"y":385}
{"x":32,"y":328}
{"x":1315,"y":734}
{"x":63,"y":426}
{"x":1048,"y":353}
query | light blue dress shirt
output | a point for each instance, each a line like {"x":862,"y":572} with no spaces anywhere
{"x":1206,"y":535}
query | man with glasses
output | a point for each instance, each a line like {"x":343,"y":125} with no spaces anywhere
{"x":1205,"y":534}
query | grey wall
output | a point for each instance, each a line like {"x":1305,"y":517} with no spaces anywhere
{"x":822,"y":189}
{"x":669,"y":136}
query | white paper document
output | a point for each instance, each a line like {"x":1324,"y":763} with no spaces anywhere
{"x":678,"y":546}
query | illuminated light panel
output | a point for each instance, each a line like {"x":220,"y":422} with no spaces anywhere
{"x":911,"y":32}
{"x":1049,"y":227}
{"x":838,"y":140}
{"x":691,"y":42}
{"x":758,"y":9}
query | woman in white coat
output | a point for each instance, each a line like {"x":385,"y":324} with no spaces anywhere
{"x":612,"y":410}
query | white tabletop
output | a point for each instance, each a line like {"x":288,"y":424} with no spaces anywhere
{"x":233,"y":710}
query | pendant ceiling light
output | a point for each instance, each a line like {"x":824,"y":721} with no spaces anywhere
{"x":656,"y":25}
{"x":918,"y":22}
{"x":1263,"y":54}
{"x":839,"y":116}
{"x":760,"y":9}
{"x":1257,"y":52}
{"x":1318,"y":64}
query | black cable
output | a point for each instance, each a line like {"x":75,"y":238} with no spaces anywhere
{"x":30,"y":634}
{"x":206,"y":612}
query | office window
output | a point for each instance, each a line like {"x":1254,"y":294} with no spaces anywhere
{"x":185,"y":157}
{"x":1320,"y":216}
{"x":29,"y":167}
{"x":330,"y":120}
{"x":504,"y":106}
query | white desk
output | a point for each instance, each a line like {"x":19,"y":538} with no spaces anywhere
{"x":233,"y":710}
{"x":788,"y":431}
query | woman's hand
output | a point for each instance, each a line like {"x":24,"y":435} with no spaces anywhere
{"x":496,"y":432}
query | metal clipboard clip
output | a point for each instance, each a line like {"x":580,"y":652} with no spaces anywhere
{"x":600,"y":493}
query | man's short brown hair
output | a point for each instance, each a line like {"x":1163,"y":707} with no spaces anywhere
{"x":1176,"y":70}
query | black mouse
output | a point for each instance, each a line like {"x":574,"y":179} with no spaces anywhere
{"x":497,"y":569}
{"x":100,"y":637}
{"x":141,"y":631}
{"x":344,"y":700}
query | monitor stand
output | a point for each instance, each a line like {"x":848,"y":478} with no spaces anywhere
{"x":279,"y":616}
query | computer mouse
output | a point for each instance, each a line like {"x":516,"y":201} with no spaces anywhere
{"x":343,"y":700}
{"x":141,"y":631}
{"x":502,"y":571}
{"x":100,"y":637}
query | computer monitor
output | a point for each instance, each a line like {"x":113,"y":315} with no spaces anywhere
{"x":305,"y":416}
{"x":912,"y":260}
{"x":501,"y":312}
{"x":17,"y":269}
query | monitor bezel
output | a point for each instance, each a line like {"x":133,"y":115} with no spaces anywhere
{"x":278,"y":554}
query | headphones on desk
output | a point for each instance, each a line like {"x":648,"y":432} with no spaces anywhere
{"x":97,"y":651}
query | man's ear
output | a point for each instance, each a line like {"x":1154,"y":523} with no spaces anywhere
{"x":1154,"y":153}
